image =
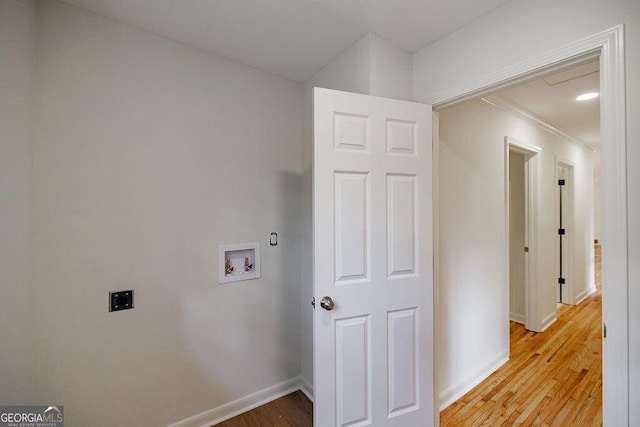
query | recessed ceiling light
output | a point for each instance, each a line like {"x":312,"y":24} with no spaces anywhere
{"x":587,"y":96}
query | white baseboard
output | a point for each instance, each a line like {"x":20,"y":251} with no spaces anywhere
{"x":307,"y":388}
{"x":454,"y":393}
{"x":244,"y":404}
{"x":584,"y":294}
{"x":548,"y":321}
{"x":515,"y":317}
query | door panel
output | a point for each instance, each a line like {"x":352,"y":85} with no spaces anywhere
{"x":353,"y":371}
{"x":372,"y":197}
{"x":403,"y":361}
{"x":401,"y":137}
{"x":401,"y":224}
{"x":351,"y":226}
{"x":351,"y":132}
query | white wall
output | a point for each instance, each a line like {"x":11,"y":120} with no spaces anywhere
{"x":474,"y":286}
{"x":391,"y":70}
{"x":523,"y":29}
{"x":148,"y":155}
{"x":17,"y":42}
{"x":580,"y":245}
{"x":350,"y":71}
{"x":371,"y":66}
{"x":517,"y":241}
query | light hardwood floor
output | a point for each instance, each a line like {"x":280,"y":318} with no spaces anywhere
{"x":553,"y":378}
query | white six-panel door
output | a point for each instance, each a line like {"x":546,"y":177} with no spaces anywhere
{"x":373,"y":352}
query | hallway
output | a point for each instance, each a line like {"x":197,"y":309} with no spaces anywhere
{"x":552,"y":378}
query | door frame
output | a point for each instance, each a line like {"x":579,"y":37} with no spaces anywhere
{"x":532,"y":165}
{"x":568,"y":224}
{"x":608,"y":45}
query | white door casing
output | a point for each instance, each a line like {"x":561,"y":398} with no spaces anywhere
{"x":609,"y":46}
{"x":533,"y":321}
{"x":373,"y":255}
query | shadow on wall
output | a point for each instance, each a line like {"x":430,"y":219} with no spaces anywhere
{"x":248,"y":332}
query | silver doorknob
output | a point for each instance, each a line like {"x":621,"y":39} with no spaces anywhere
{"x":327,"y":303}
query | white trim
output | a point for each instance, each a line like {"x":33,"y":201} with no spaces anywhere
{"x":238,"y":406}
{"x":609,"y":45}
{"x":549,"y":320}
{"x":584,"y":295}
{"x":571,"y":54}
{"x":532,"y":232}
{"x":449,"y":396}
{"x":307,"y":388}
{"x":521,"y":147}
{"x":435,"y":126}
{"x":527,"y":116}
{"x":615,"y":261}
{"x":516,"y":317}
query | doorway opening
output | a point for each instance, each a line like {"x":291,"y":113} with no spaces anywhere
{"x":566,"y":232}
{"x":517,"y":236}
{"x":565,"y":157}
{"x":521,"y":203}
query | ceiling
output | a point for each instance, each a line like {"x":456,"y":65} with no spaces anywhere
{"x":292,"y":38}
{"x":552,"y":99}
{"x":296,"y":38}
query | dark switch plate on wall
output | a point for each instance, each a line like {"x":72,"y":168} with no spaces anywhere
{"x":120,"y":300}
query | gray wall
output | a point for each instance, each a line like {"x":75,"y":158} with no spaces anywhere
{"x":148,"y":155}
{"x":17,"y":42}
{"x":517,"y":232}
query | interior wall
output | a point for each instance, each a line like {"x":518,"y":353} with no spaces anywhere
{"x":391,"y":70}
{"x":474,"y":286}
{"x":581,"y":242}
{"x":517,"y":242}
{"x":512,"y":34}
{"x":350,"y":71}
{"x":371,"y":66}
{"x":149,"y":154}
{"x":306,"y":241}
{"x":17,"y":42}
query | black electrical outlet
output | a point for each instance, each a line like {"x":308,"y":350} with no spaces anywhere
{"x":120,"y":300}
